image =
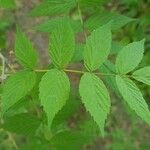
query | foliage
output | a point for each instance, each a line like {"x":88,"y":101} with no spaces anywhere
{"x":45,"y":106}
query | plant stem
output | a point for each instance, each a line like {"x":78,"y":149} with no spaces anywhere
{"x":74,"y":71}
{"x":82,"y":72}
{"x":41,"y":70}
{"x":79,"y":72}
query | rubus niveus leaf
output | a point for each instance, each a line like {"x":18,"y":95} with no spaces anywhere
{"x":142,"y":75}
{"x":97,"y":47}
{"x":133,"y":97}
{"x":129,"y":57}
{"x":95,"y":97}
{"x":24,"y":123}
{"x":54,"y":91}
{"x":16,"y":87}
{"x":25,"y":53}
{"x":62,"y":44}
{"x":53,"y":7}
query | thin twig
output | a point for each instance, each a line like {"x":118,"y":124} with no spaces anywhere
{"x":12,"y":140}
{"x":3,"y":76}
{"x":82,"y":72}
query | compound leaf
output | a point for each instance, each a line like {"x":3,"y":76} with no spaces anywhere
{"x":95,"y":97}
{"x":25,"y":53}
{"x":16,"y":87}
{"x":142,"y":75}
{"x":62,"y":44}
{"x":132,"y":95}
{"x":97,"y":47}
{"x":129,"y":57}
{"x":54,"y":91}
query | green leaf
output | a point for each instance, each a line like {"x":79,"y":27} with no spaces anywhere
{"x":115,"y":48}
{"x":51,"y":24}
{"x":62,"y":44}
{"x":104,"y":17}
{"x":54,"y":92}
{"x":8,"y":4}
{"x":71,"y":107}
{"x":78,"y":54}
{"x":16,"y":87}
{"x":95,"y":97}
{"x":97,"y":47}
{"x":129,"y":57}
{"x":63,"y":140}
{"x":25,"y":124}
{"x":25,"y":53}
{"x":53,"y":7}
{"x":132,"y":95}
{"x":142,"y":75}
{"x":17,"y":108}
